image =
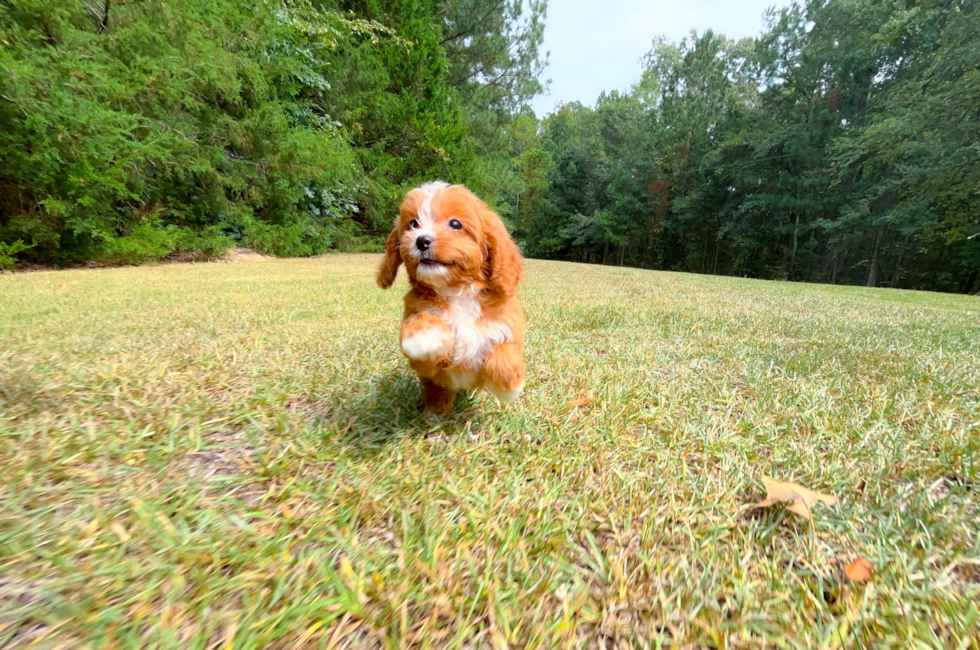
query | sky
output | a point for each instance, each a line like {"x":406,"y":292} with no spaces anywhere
{"x":596,"y":45}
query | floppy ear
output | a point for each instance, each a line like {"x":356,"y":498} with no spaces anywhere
{"x":392,"y":259}
{"x":502,"y":259}
{"x":389,"y":265}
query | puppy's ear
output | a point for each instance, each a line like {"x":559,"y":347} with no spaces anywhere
{"x":502,"y":260}
{"x":389,"y":265}
{"x":392,"y":259}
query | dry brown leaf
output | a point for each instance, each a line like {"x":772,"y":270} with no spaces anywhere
{"x":229,"y":636}
{"x":859,"y":570}
{"x":119,"y":530}
{"x":798,"y":499}
{"x":585,"y":401}
{"x":92,"y":526}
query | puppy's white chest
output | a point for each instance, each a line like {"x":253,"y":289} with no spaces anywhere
{"x":473,"y":335}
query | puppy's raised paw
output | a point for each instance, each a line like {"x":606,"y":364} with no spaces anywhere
{"x":428,"y":344}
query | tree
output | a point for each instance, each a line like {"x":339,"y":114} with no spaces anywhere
{"x":129,"y":131}
{"x":157,"y":128}
{"x":839,"y":146}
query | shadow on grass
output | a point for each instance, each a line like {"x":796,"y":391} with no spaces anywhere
{"x":391,"y":408}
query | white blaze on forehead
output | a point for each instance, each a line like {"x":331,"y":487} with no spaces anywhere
{"x":425,"y":217}
{"x":433,"y":186}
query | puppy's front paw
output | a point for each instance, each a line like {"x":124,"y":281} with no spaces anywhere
{"x":428,"y":344}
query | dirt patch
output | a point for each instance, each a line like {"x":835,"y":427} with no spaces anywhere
{"x":244,"y":255}
{"x":21,"y":602}
{"x":227,"y":465}
{"x":190,"y":257}
{"x":227,"y":454}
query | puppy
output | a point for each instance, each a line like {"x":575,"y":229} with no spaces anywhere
{"x":463,"y":328}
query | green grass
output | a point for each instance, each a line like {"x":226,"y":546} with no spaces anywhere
{"x":232,"y":456}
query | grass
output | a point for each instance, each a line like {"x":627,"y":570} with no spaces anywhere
{"x":232,"y":456}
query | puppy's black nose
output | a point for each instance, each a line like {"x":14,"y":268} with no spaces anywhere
{"x":423,"y":242}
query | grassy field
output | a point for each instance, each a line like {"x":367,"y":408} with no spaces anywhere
{"x":231,"y":455}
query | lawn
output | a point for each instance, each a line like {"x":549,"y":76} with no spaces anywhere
{"x":232,"y":455}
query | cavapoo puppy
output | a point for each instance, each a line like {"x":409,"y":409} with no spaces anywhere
{"x":463,"y":328}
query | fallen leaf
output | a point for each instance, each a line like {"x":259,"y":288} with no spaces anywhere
{"x":229,"y":636}
{"x":91,"y":528}
{"x":859,"y":570}
{"x":119,"y":530}
{"x":585,"y":401}
{"x":799,"y":499}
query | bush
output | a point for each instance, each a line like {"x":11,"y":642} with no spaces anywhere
{"x":170,"y":131}
{"x":210,"y":243}
{"x":8,"y":253}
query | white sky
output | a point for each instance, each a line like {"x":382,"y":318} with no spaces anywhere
{"x":596,"y":45}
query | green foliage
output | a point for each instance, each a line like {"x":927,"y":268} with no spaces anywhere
{"x":132,"y":131}
{"x":201,"y":116}
{"x":210,"y":242}
{"x":495,"y":61}
{"x":840,"y":146}
{"x":143,"y":242}
{"x":9,"y":251}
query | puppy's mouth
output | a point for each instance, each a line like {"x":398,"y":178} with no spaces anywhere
{"x":426,"y":261}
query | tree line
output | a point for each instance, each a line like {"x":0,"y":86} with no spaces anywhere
{"x":139,"y":129}
{"x":840,"y":145}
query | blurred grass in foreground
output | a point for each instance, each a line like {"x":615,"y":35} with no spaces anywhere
{"x":232,"y":455}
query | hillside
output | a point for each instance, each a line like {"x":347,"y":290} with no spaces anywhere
{"x":232,"y":454}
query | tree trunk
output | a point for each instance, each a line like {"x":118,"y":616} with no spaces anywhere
{"x":605,"y":253}
{"x":898,"y":265}
{"x":972,"y":284}
{"x":836,"y":259}
{"x":104,"y":23}
{"x":808,"y":273}
{"x":873,"y":264}
{"x":622,"y":255}
{"x":714,"y":268}
{"x":792,"y":255}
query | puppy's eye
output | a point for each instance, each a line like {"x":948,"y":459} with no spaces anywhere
{"x":455,"y":225}
{"x":413,"y":224}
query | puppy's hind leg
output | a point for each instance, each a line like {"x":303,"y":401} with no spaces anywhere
{"x":504,"y":368}
{"x":438,"y":400}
